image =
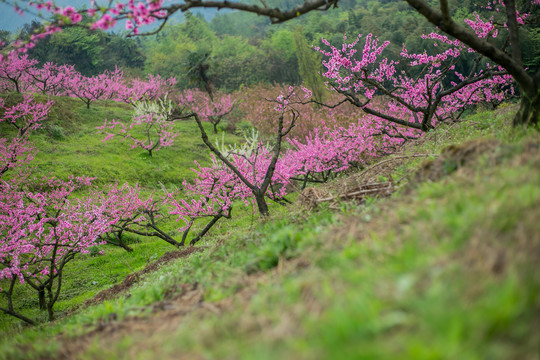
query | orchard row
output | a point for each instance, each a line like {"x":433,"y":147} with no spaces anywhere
{"x":372,"y":110}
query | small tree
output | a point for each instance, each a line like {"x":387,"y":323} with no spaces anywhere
{"x":150,"y":128}
{"x":253,"y":171}
{"x":90,"y":89}
{"x":41,"y":227}
{"x":128,"y":212}
{"x":149,"y":90}
{"x":15,"y":71}
{"x":51,"y":78}
{"x":43,"y":230}
{"x":211,"y":195}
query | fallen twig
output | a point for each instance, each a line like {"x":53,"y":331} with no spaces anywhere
{"x":392,"y":159}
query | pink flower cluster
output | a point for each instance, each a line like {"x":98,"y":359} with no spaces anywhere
{"x":482,"y":28}
{"x":152,"y":88}
{"x":211,"y":193}
{"x":25,"y":117}
{"x":210,"y":109}
{"x":44,"y":228}
{"x":327,"y":151}
{"x":418,"y":101}
{"x":22,"y":74}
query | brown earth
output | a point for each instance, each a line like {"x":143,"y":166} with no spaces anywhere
{"x":165,"y":316}
{"x":132,"y":279}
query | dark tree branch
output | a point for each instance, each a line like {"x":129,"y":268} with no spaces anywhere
{"x":513,"y":29}
{"x":276,"y":15}
{"x":482,"y":46}
{"x":218,"y":153}
{"x":445,"y":11}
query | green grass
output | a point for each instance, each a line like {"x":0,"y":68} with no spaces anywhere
{"x":443,"y":269}
{"x":483,"y":124}
{"x":81,"y":151}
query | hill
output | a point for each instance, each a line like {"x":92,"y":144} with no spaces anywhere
{"x":441,"y":265}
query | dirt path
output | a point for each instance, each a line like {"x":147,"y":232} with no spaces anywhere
{"x":166,"y":315}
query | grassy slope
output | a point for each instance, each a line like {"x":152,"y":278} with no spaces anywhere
{"x":444,"y":269}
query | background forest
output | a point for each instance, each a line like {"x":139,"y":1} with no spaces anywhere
{"x":236,"y":49}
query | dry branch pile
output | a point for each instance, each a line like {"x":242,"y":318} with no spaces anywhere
{"x":311,"y":197}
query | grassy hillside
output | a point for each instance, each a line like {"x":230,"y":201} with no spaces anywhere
{"x":74,"y":146}
{"x":444,"y":268}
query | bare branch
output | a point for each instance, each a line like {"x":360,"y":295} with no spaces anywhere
{"x":276,"y":15}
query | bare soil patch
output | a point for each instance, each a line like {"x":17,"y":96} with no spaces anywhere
{"x":167,"y":315}
{"x":134,"y":278}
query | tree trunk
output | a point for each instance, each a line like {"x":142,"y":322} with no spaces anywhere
{"x":208,"y":226}
{"x":10,"y":310}
{"x":529,"y":109}
{"x":160,"y":234}
{"x":41,"y":297}
{"x":261,"y":204}
{"x":119,"y":242}
{"x":50,"y":311}
{"x":50,"y":302}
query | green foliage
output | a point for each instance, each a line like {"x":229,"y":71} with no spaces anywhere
{"x":180,"y":50}
{"x":92,"y":52}
{"x":236,"y":63}
{"x":309,"y":62}
{"x":282,"y":41}
{"x":5,"y":37}
{"x":56,"y":132}
{"x":531,"y":51}
{"x":281,"y":244}
{"x":193,"y":53}
{"x":240,"y":24}
{"x":268,"y":54}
